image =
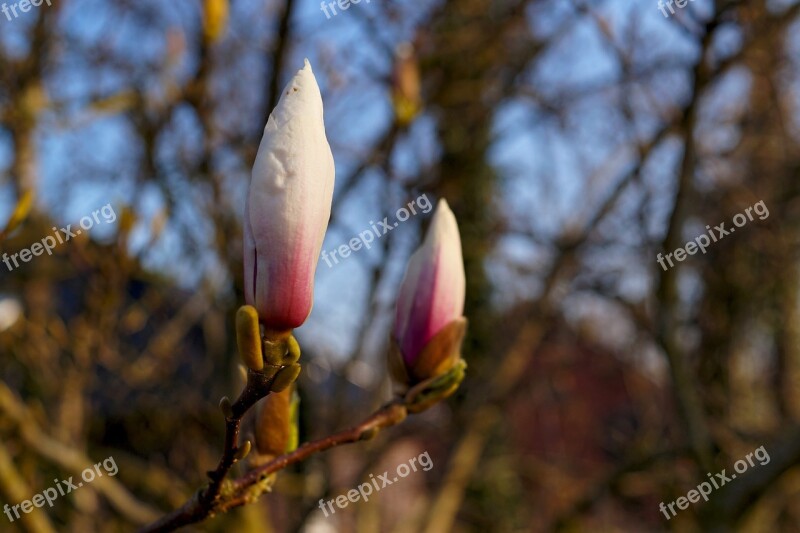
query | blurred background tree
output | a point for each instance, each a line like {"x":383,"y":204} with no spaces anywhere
{"x":575,"y":140}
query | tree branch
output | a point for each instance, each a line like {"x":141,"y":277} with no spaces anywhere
{"x":206,"y":502}
{"x":213,"y":500}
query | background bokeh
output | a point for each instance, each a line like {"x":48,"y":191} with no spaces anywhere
{"x":575,"y":141}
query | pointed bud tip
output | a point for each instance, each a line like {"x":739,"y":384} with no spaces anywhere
{"x":444,"y":218}
{"x":306,"y":73}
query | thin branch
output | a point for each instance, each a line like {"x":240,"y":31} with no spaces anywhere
{"x":690,"y":407}
{"x":389,"y":415}
{"x":279,"y":55}
{"x":206,"y":502}
{"x":246,"y":489}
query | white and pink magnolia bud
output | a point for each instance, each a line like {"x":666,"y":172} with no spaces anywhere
{"x":288,"y":207}
{"x":431,"y":296}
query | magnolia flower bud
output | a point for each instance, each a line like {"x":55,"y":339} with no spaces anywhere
{"x":288,"y":207}
{"x":429,"y":325}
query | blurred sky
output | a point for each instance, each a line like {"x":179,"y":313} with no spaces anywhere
{"x":543,"y":161}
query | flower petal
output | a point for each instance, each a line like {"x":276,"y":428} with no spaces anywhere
{"x":289,"y":204}
{"x":434,"y":287}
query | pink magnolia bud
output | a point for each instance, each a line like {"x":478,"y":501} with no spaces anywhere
{"x":288,"y":207}
{"x":432,"y":293}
